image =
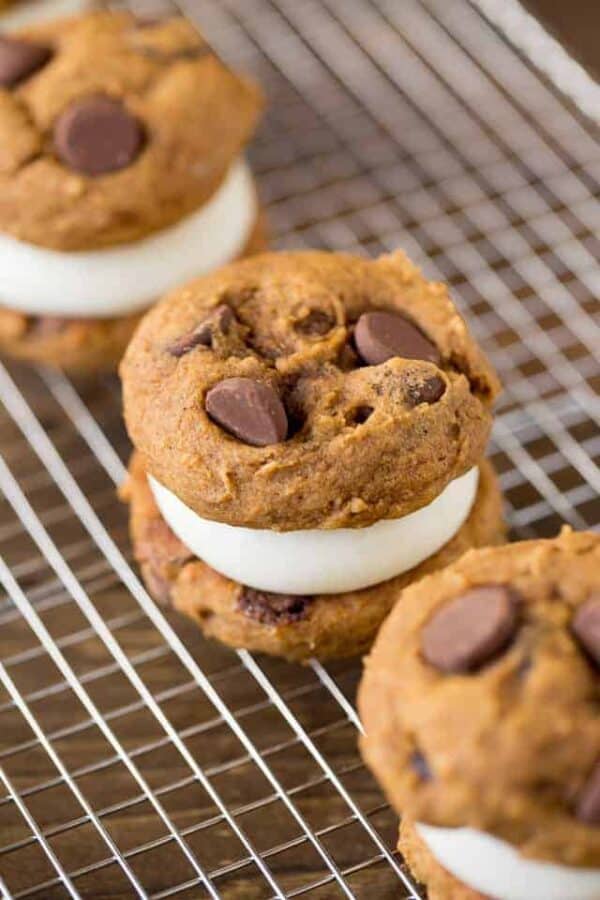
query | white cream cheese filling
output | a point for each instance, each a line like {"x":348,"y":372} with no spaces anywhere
{"x":321,"y":561}
{"x":491,"y":866}
{"x":120,"y":280}
{"x":36,"y":11}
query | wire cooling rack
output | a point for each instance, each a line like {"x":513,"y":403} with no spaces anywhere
{"x":139,"y":760}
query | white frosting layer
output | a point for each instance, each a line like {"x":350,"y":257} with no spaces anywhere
{"x":321,"y":561}
{"x":121,"y":280}
{"x":490,"y":865}
{"x":41,"y":11}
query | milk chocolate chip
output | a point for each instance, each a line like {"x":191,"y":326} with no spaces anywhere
{"x":218,"y":320}
{"x":426,"y":390}
{"x":20,"y":59}
{"x":586,"y":627}
{"x":381,"y":335}
{"x":467,"y":632}
{"x":248,"y":409}
{"x":273,"y":609}
{"x":97,"y":135}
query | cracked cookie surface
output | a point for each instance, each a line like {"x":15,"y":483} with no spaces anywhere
{"x":508,"y":742}
{"x":297,"y":628}
{"x":363,"y":442}
{"x":180,"y":116}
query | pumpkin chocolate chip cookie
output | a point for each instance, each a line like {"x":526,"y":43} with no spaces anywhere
{"x":121,"y":174}
{"x":480,"y":705}
{"x":310,"y":426}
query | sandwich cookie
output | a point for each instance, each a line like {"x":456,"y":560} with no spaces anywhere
{"x":121,"y":175}
{"x":479,"y":702}
{"x":310,"y":428}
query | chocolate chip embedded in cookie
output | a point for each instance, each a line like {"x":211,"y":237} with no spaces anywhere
{"x":487,"y":670}
{"x":320,"y":441}
{"x":381,"y":335}
{"x":20,"y":59}
{"x":469,"y":631}
{"x":423,"y":389}
{"x":97,"y":135}
{"x":273,"y":609}
{"x":218,"y":321}
{"x":248,"y":409}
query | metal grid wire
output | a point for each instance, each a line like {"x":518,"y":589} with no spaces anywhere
{"x":139,"y":760}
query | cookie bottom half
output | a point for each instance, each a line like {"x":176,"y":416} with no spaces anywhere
{"x":326,"y":626}
{"x":83,"y":346}
{"x":440,"y":884}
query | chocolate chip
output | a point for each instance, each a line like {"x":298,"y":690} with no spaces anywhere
{"x":315,"y":323}
{"x":381,"y":335}
{"x":586,"y":627}
{"x":273,"y":609}
{"x":46,"y":326}
{"x":97,"y":135}
{"x":20,"y":59}
{"x":467,"y":632}
{"x":219,"y":320}
{"x":419,"y":764}
{"x":428,"y":390}
{"x":248,"y":409}
{"x":588,"y":803}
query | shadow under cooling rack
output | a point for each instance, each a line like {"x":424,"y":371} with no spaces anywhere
{"x":136,"y":758}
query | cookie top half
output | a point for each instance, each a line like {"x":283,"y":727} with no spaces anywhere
{"x":481,"y":697}
{"x":307,"y":390}
{"x":112,"y":127}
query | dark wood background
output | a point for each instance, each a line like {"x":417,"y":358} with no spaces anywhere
{"x":576,"y":23}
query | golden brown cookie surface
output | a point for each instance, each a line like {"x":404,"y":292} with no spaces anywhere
{"x":498,"y":727}
{"x":364,"y":441}
{"x":122,"y":128}
{"x":297,"y":628}
{"x":82,"y":346}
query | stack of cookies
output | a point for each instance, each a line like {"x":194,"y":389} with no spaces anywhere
{"x":121,"y":174}
{"x":480,"y":703}
{"x":309,"y":432}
